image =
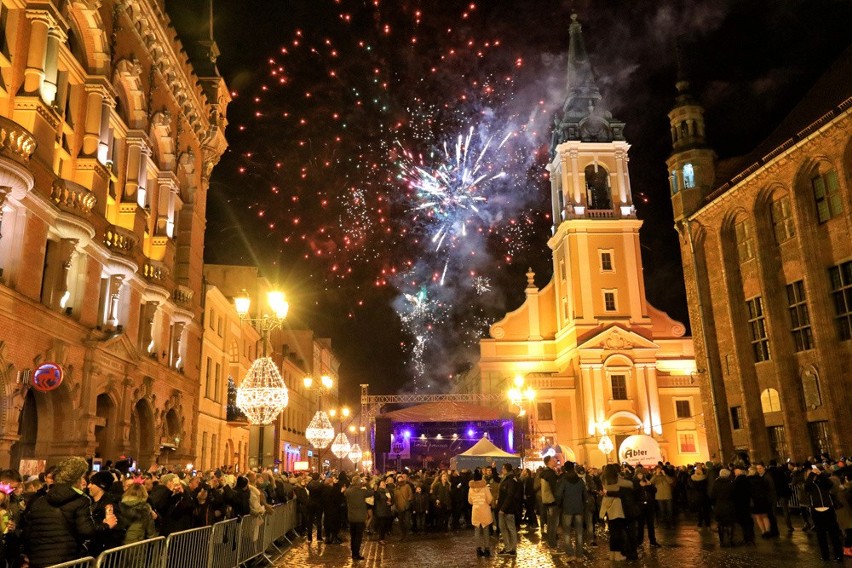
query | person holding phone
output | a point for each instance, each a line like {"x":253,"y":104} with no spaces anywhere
{"x":104,"y":503}
{"x":822,"y":498}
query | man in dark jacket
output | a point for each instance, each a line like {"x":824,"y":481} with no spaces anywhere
{"x":179,"y":508}
{"x":356,"y":511}
{"x":550,"y":510}
{"x":781,"y":482}
{"x":331,"y":497}
{"x":303,"y":503}
{"x":238,"y":497}
{"x":646,"y":500}
{"x":821,"y":491}
{"x":742,"y":504}
{"x":507,"y":507}
{"x":57,"y":524}
{"x":722,"y":498}
{"x":571,"y":499}
{"x":315,"y":491}
{"x":104,"y":502}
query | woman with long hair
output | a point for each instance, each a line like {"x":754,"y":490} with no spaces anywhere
{"x":613,"y":512}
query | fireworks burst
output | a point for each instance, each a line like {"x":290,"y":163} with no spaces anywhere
{"x":481,"y":284}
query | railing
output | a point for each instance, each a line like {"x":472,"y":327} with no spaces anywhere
{"x":119,"y":239}
{"x":154,"y":271}
{"x":600,"y":214}
{"x":16,"y":142}
{"x":72,"y":196}
{"x":183,"y":295}
{"x":227,"y":544}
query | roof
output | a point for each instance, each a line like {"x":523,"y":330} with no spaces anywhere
{"x":484,"y":448}
{"x":821,"y":103}
{"x":446,"y":412}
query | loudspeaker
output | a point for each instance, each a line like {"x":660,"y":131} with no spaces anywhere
{"x":383,"y":435}
{"x":518,"y":433}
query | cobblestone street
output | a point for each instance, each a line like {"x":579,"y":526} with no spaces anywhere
{"x":685,"y":547}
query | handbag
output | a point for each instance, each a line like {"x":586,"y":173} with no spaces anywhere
{"x":547,"y":497}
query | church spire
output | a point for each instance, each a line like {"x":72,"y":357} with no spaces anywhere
{"x":584,"y":115}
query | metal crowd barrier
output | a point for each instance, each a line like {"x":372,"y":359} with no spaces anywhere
{"x":227,"y":544}
{"x":143,"y":554}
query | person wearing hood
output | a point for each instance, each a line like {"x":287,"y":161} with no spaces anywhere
{"x":571,"y":499}
{"x":822,"y":499}
{"x":137,"y":517}
{"x":698,"y":495}
{"x":722,"y":498}
{"x":479,"y":497}
{"x":104,"y":501}
{"x":57,"y":525}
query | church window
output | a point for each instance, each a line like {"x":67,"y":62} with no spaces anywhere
{"x":782,"y":219}
{"x":208,"y":379}
{"x":686,"y":442}
{"x":597,"y":187}
{"x":673,"y":180}
{"x":745,"y":240}
{"x":606,"y":261}
{"x":619,"y":387}
{"x":841,"y":294}
{"x":757,"y":328}
{"x":770,"y":401}
{"x":800,"y":321}
{"x":688,"y":176}
{"x":544,"y":410}
{"x":609,"y":300}
{"x":827,"y":195}
{"x":682,"y":409}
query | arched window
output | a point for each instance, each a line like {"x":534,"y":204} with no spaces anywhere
{"x":673,"y":180}
{"x":597,"y":187}
{"x":688,"y":176}
{"x":782,"y":219}
{"x":745,"y":240}
{"x":827,"y":197}
{"x":770,"y":401}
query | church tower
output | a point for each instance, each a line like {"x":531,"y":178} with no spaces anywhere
{"x":692,"y":163}
{"x":595,"y":242}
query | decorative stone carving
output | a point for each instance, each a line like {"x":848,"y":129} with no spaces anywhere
{"x":615,"y":341}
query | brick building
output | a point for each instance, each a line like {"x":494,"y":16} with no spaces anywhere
{"x":108,"y":135}
{"x":767,"y":255}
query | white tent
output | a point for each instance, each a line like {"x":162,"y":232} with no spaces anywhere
{"x":483,"y":453}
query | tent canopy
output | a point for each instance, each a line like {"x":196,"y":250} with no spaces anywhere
{"x":484,"y":448}
{"x":446,"y":412}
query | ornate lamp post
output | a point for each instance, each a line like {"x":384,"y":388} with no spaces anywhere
{"x":605,"y":444}
{"x":262,"y":395}
{"x":522,"y":398}
{"x":320,"y":431}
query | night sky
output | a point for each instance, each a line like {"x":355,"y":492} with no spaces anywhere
{"x":386,"y":160}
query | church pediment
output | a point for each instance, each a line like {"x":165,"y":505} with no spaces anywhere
{"x":121,"y":347}
{"x":615,"y":338}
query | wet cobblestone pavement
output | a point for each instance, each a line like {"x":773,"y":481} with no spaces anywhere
{"x":682,"y":547}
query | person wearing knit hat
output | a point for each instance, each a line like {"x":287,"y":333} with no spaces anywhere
{"x":58,"y":523}
{"x":104,"y":503}
{"x":102,"y":479}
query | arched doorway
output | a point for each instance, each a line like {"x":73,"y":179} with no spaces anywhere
{"x":105,"y":432}
{"x":25,"y":447}
{"x":142,"y":434}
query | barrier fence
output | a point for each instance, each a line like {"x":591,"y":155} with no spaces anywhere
{"x":227,"y":544}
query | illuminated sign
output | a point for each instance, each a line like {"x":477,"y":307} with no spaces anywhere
{"x":301,"y":466}
{"x":47,"y":377}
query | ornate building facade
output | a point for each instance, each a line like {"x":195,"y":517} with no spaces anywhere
{"x":600,"y":357}
{"x":108,"y":135}
{"x":767,"y":255}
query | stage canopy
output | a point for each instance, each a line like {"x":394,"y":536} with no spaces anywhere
{"x":482,"y":454}
{"x":446,"y":412}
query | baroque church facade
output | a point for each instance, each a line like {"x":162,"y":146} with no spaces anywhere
{"x":602,"y":360}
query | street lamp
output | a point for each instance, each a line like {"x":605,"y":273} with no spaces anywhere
{"x":262,"y":395}
{"x":522,"y":397}
{"x":605,"y":444}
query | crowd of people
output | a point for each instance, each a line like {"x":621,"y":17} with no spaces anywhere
{"x":68,"y":512}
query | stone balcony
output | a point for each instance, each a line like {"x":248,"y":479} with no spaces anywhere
{"x":17,"y":144}
{"x":155,"y":272}
{"x":183,"y":296}
{"x":72,"y":197}
{"x":120,"y":240}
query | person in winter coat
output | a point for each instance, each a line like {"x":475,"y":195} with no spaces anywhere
{"x":760,"y":501}
{"x":844,"y":514}
{"x":698,"y":495}
{"x":782,"y":483}
{"x":383,"y":510}
{"x":420,"y":508}
{"x":613,"y":512}
{"x":550,"y":511}
{"x":646,"y":499}
{"x":506,"y":507}
{"x":441,"y":497}
{"x":237,"y":498}
{"x":722,"y":497}
{"x":356,"y":513}
{"x":303,"y":506}
{"x":571,"y":498}
{"x":527,"y":481}
{"x":315,"y":491}
{"x":104,"y":502}
{"x":593,"y":495}
{"x":821,"y":493}
{"x":403,"y":497}
{"x":137,"y":517}
{"x":742,"y":503}
{"x":331,"y":511}
{"x":664,"y":483}
{"x":204,"y":513}
{"x":56,"y":525}
{"x":479,"y":497}
{"x":179,"y":508}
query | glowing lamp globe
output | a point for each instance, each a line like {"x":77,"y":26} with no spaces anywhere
{"x":320,"y":432}
{"x":262,"y":395}
{"x":605,"y":445}
{"x":355,"y":453}
{"x":340,"y":447}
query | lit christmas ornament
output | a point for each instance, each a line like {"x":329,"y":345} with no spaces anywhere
{"x":340,"y":447}
{"x":355,"y":453}
{"x":320,"y":432}
{"x":262,"y":394}
{"x":605,"y":445}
